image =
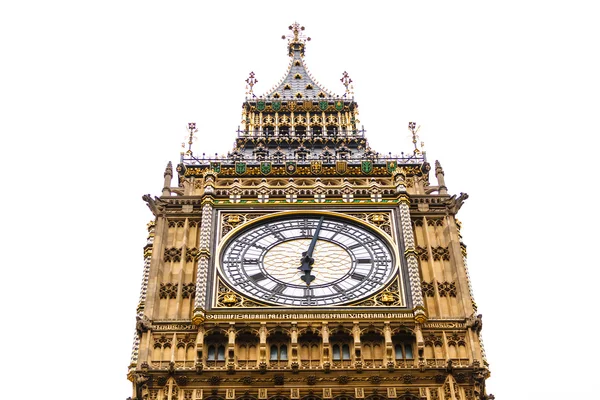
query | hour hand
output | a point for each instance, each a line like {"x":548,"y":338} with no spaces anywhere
{"x":306,"y":266}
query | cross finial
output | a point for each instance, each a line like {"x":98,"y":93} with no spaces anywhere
{"x":191,"y":129}
{"x":413,"y":128}
{"x":250,"y":82}
{"x":346,"y":81}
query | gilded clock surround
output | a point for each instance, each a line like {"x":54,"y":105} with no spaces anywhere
{"x":369,"y":221}
{"x":301,"y":151}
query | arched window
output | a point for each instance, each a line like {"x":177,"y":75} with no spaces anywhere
{"x":372,"y":343}
{"x":221,"y":353}
{"x":278,"y":349}
{"x":247,"y":343}
{"x":215,"y":345}
{"x":337,"y":355}
{"x":404,"y":348}
{"x":310,"y":354}
{"x":403,"y":352}
{"x":340,"y":349}
{"x":345,"y":352}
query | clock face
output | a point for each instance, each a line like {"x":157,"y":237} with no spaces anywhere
{"x":349,"y":261}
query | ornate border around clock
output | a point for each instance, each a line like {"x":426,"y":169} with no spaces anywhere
{"x":230,"y":221}
{"x":390,"y":296}
{"x":378,"y":219}
{"x":228,"y":298}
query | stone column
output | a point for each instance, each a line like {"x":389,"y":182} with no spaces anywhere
{"x":357,"y":345}
{"x":231,"y":347}
{"x":325,"y":343}
{"x":203,"y":260}
{"x":439,"y":173}
{"x":168,"y":176}
{"x":389,"y":346}
{"x":411,"y":259}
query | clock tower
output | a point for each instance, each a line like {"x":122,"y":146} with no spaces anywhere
{"x":304,"y":265}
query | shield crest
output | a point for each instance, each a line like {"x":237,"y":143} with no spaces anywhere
{"x":260,"y":105}
{"x":339,"y":105}
{"x":276,"y":105}
{"x":316,"y":167}
{"x":391,"y":166}
{"x":341,"y":166}
{"x":366,"y":167}
{"x":307,"y":105}
{"x":323,"y":105}
{"x":290,"y":167}
{"x":265,"y":167}
{"x":215,"y":166}
{"x":291,"y":105}
{"x":240,"y":168}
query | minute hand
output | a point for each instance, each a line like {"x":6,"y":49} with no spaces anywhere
{"x":307,"y":260}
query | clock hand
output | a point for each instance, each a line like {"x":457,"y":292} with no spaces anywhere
{"x":307,"y":260}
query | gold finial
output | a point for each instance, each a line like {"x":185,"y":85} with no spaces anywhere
{"x":346,"y":81}
{"x":192,"y":129}
{"x":412,"y":126}
{"x":250,"y":82}
{"x":296,"y":39}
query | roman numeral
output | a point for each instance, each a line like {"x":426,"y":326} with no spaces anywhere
{"x":338,"y":289}
{"x":357,"y":276}
{"x":364,"y":261}
{"x":355,"y":246}
{"x":258,"y":277}
{"x":279,"y":288}
{"x":250,"y":261}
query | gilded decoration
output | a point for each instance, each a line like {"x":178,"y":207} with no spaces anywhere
{"x":227,"y":298}
{"x":341,"y":168}
{"x":389,"y":297}
{"x":231,"y":221}
{"x":381,"y":220}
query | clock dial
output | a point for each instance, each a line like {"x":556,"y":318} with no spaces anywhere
{"x":349,"y":261}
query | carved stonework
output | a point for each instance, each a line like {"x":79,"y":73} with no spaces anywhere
{"x":428,"y":289}
{"x":172,"y":254}
{"x":447,"y":289}
{"x":440,"y":253}
{"x":229,"y":221}
{"x":227,"y":298}
{"x":390,"y":296}
{"x":380,"y":220}
{"x":168,"y":290}
{"x":188,"y":290}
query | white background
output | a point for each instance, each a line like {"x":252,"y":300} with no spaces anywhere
{"x":95,"y":97}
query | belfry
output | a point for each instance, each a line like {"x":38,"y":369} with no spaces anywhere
{"x":305,"y":265}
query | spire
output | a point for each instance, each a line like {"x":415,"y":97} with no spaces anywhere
{"x":168,"y":176}
{"x":297,"y":82}
{"x":439,"y":173}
